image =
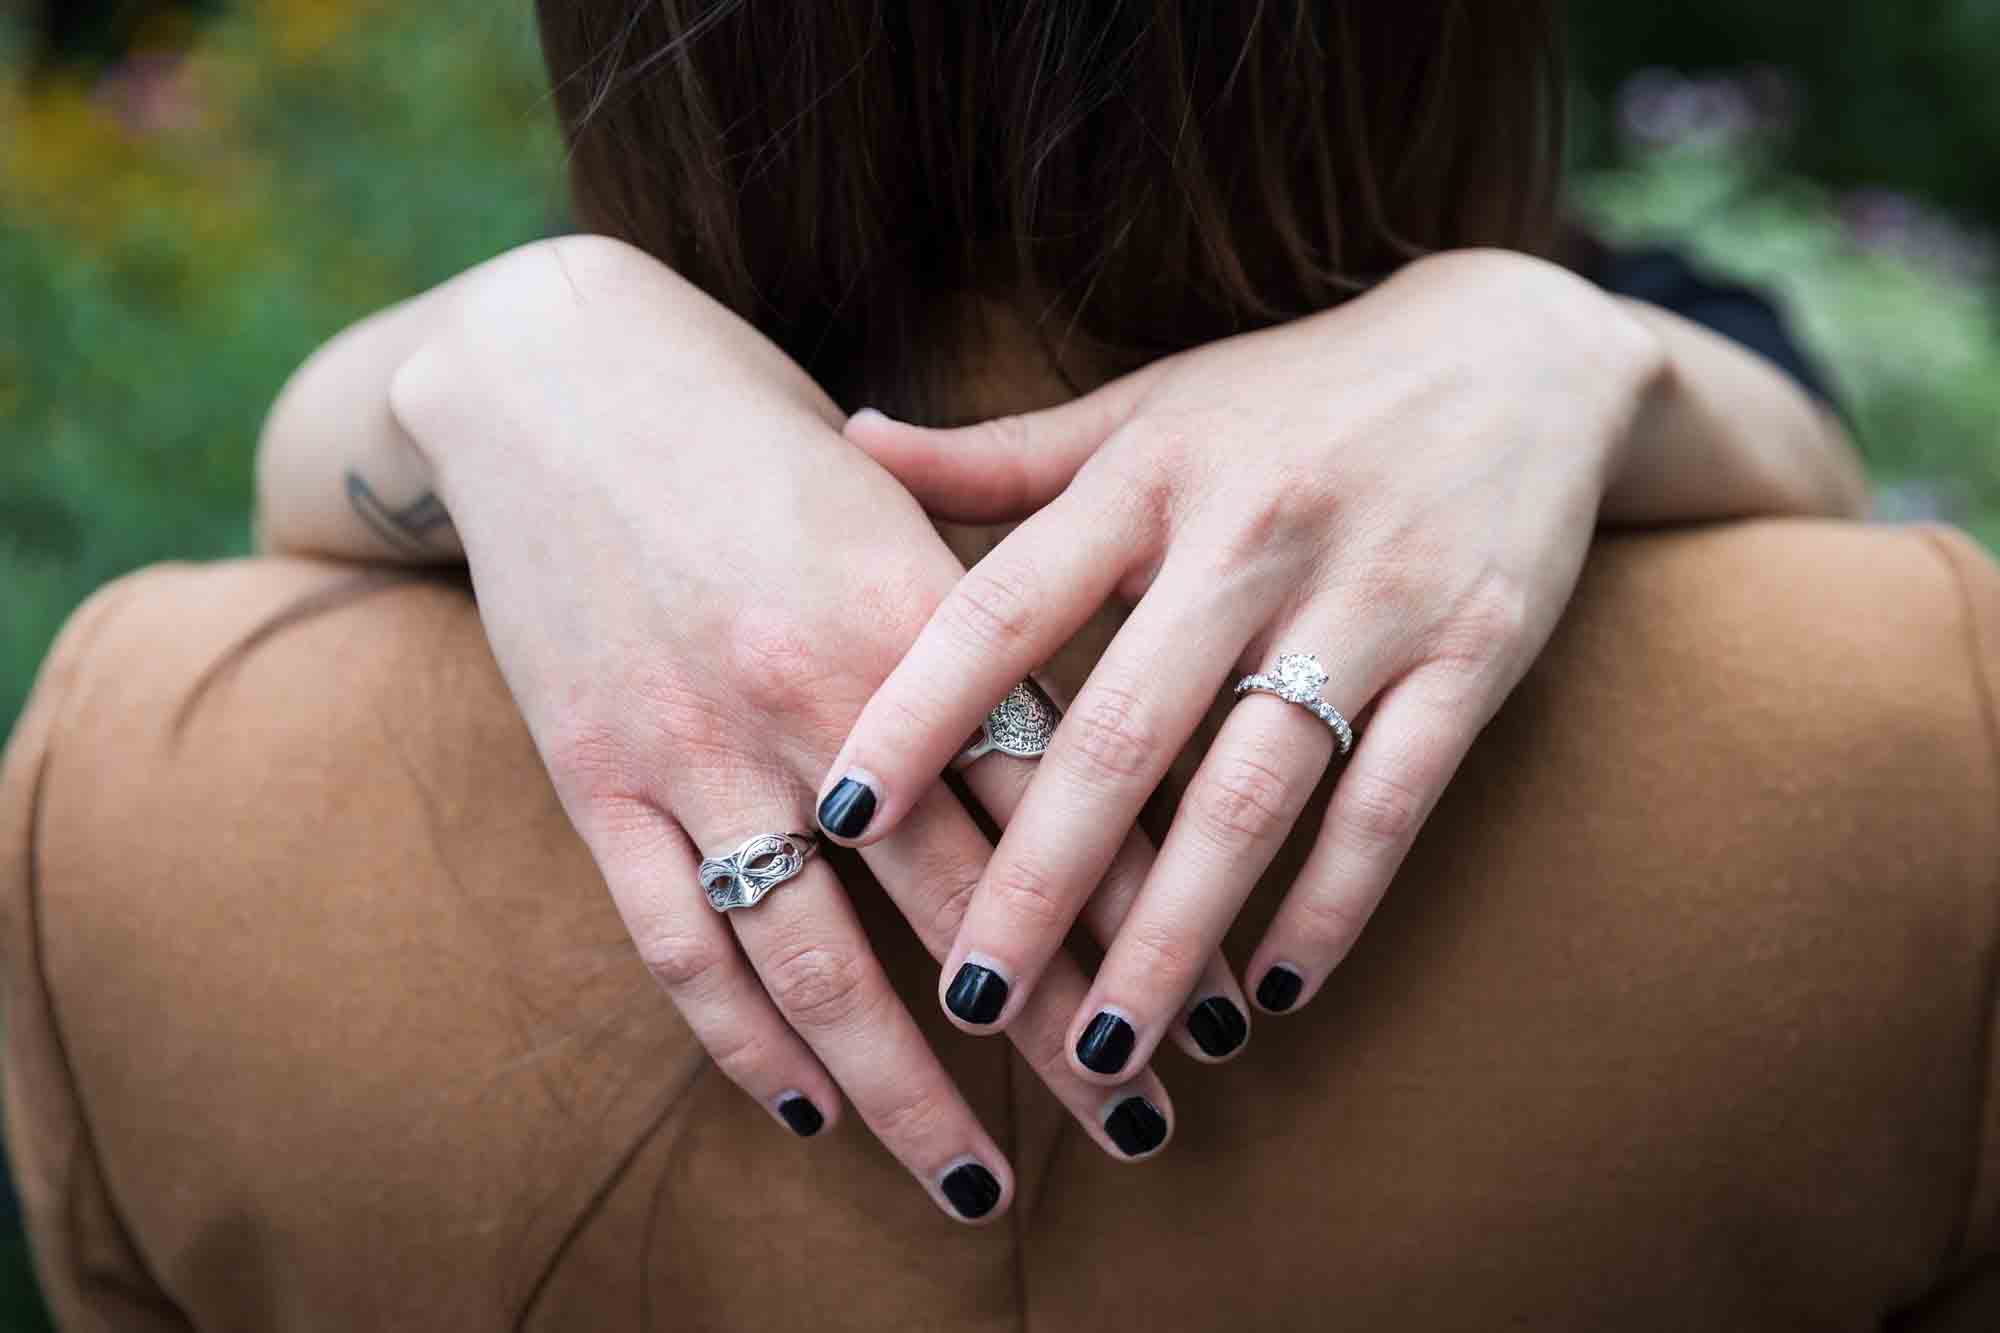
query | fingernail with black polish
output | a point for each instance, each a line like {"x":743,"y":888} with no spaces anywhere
{"x":802,"y":1116}
{"x":971,"y":1189}
{"x":1279,"y":990}
{"x":1136,"y":1126}
{"x":977,"y":994}
{"x":1106,"y":1044}
{"x":1218,"y":1027}
{"x":847,"y":808}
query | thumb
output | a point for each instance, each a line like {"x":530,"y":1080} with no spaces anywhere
{"x":1001,"y":469}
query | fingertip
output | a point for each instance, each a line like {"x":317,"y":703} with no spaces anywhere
{"x":972,"y":1192}
{"x":873,"y":424}
{"x":1138,"y":1121}
{"x":806,"y":1115}
{"x":848,"y":809}
{"x":976,"y":997}
{"x":1215,"y":1030}
{"x":1281,"y":989}
{"x":1105,"y":1045}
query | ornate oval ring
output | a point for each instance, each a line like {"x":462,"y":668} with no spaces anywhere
{"x":758,"y":865}
{"x":1022,"y":725}
{"x":1297,"y":679}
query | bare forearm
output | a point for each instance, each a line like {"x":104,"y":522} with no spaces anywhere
{"x":494,"y":354}
{"x":336,"y":474}
{"x":1725,"y":434}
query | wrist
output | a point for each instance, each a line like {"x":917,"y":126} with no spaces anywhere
{"x":1614,"y":372}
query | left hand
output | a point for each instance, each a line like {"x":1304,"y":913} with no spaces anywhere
{"x":1405,"y":486}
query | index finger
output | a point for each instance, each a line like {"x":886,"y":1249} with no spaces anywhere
{"x":1008,"y":615}
{"x":1144,"y":699}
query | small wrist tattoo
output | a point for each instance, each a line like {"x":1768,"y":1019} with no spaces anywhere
{"x":409,"y":528}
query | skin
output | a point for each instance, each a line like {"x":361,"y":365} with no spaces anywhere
{"x":696,"y":635}
{"x":1406,"y":486}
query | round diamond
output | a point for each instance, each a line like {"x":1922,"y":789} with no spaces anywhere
{"x":1300,"y":673}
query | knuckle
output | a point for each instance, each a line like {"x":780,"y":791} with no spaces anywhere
{"x":1490,"y":624}
{"x":775,"y":669}
{"x":597,"y":760}
{"x":1325,"y":924}
{"x":1165,"y":954}
{"x":816,"y":987}
{"x":994,"y":606}
{"x":677,"y":960}
{"x":1239,"y":800}
{"x":741,"y":1056}
{"x":1143,"y":469}
{"x":1381,"y":810}
{"x":1030,"y":897}
{"x":1290,"y":515}
{"x":952,"y":903}
{"x":912,"y":1114}
{"x":1393,"y":576}
{"x":1109,"y":737}
{"x":899,"y":719}
{"x":610,"y":747}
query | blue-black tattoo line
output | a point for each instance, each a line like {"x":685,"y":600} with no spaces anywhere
{"x":408,"y":528}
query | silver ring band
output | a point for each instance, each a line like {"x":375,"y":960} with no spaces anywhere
{"x":758,"y":865}
{"x":1022,"y":725}
{"x":1297,"y":679}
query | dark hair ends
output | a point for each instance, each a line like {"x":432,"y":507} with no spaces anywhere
{"x":1151,"y":174}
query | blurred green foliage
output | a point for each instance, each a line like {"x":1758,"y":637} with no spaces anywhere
{"x":1899,"y":94}
{"x":1913,"y":346}
{"x":171,"y":250}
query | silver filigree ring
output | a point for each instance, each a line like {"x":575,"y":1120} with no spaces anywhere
{"x":760,"y":864}
{"x":1022,"y":726}
{"x":1297,"y":679}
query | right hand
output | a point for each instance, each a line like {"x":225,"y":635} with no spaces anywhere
{"x":692,"y":584}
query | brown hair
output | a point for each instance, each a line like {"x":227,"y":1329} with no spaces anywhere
{"x":1154,"y":174}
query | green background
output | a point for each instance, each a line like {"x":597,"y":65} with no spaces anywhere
{"x":188,"y":207}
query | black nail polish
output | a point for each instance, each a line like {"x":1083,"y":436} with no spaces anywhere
{"x":977,"y":994}
{"x":971,"y":1189}
{"x":1106,"y":1044}
{"x":1136,"y":1126}
{"x":1279,"y":990}
{"x":1218,"y":1027}
{"x":847,"y":808}
{"x":802,"y":1116}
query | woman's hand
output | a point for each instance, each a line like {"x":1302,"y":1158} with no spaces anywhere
{"x":1404,"y":486}
{"x":692,"y":584}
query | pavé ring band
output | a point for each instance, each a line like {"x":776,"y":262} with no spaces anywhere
{"x":1021,"y":725}
{"x":758,"y":865}
{"x":1297,"y":679}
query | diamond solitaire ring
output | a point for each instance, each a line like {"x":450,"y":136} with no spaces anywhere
{"x":758,"y":865}
{"x":1297,"y":679}
{"x":1021,"y":726}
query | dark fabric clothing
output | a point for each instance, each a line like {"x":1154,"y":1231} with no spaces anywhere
{"x":1665,"y":278}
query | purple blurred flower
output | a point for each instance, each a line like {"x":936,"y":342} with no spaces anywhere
{"x":151,"y":92}
{"x":1662,"y":108}
{"x":1888,"y":222}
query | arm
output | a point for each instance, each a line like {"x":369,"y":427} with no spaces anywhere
{"x":1727,"y":435}
{"x":336,"y":473}
{"x":1406,"y":485}
{"x":689,"y":581}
